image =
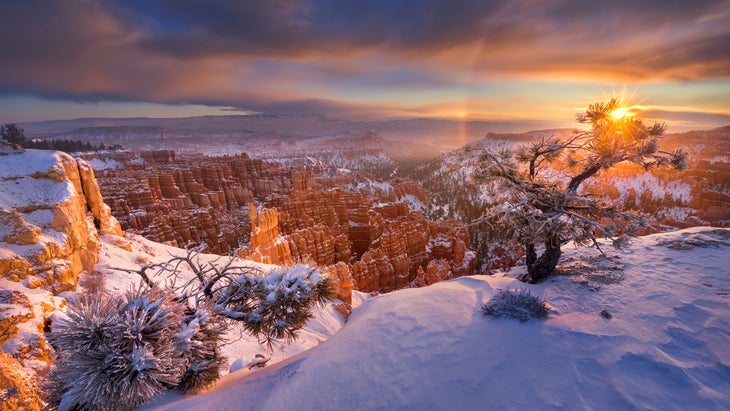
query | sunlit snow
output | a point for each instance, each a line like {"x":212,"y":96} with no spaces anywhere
{"x":661,"y":343}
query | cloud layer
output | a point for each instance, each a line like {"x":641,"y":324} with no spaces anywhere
{"x":369,"y":57}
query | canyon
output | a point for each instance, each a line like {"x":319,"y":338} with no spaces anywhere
{"x":267,"y":212}
{"x":328,"y":195}
{"x":55,"y":216}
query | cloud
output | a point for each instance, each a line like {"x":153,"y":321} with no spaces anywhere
{"x":684,"y":116}
{"x":342,"y":56}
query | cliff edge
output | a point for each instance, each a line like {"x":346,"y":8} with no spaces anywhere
{"x":51,"y":217}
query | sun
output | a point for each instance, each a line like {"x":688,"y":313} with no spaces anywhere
{"x":621,"y":112}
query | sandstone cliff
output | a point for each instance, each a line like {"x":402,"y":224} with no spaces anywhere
{"x":51,"y":217}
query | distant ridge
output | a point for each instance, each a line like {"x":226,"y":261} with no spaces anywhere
{"x":438,"y":131}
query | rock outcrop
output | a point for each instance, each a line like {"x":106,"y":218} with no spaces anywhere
{"x":192,"y":200}
{"x":266,"y":246}
{"x":51,"y":217}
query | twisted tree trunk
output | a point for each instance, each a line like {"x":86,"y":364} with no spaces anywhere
{"x":539,"y":268}
{"x":577,"y":180}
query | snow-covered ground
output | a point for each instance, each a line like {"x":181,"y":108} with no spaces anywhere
{"x":662,"y":343}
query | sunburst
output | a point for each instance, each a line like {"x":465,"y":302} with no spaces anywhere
{"x":621,"y":113}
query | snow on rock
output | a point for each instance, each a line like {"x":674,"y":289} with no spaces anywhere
{"x":44,"y":199}
{"x":25,"y":353}
{"x":414,"y":203}
{"x":105,"y":163}
{"x":51,"y":214}
{"x":677,"y":191}
{"x":642,"y":328}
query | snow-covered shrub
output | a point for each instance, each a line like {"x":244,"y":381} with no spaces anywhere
{"x":115,"y":352}
{"x":517,"y":303}
{"x":270,"y":306}
{"x":92,"y":282}
{"x":199,"y":340}
{"x":275,"y":305}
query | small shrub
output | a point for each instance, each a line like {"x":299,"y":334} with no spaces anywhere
{"x":518,"y":303}
{"x":115,"y":352}
{"x":93,"y":282}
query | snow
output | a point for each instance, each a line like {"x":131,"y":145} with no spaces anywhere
{"x":373,"y":185}
{"x":677,"y":191}
{"x":414,"y":203}
{"x":675,"y":213}
{"x":28,"y":330}
{"x":21,"y":163}
{"x":105,"y":163}
{"x":16,"y":193}
{"x":19,"y":185}
{"x":665,"y":346}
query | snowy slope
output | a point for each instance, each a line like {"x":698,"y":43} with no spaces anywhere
{"x":666,"y":347}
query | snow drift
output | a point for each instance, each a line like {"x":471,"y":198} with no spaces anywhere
{"x":642,"y":328}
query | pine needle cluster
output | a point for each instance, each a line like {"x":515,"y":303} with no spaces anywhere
{"x":275,"y":306}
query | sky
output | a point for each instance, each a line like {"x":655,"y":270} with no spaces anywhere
{"x":521,"y":59}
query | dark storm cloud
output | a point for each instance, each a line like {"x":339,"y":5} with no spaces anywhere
{"x":280,"y":54}
{"x":289,"y":28}
{"x":292,"y":28}
{"x":638,"y":12}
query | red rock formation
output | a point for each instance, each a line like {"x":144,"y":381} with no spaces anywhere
{"x":165,"y":198}
{"x":343,"y":282}
{"x":307,"y":216}
{"x":103,"y":220}
{"x":158,"y":156}
{"x":436,"y":270}
{"x":393,"y":241}
{"x":404,"y":187}
{"x":266,"y":245}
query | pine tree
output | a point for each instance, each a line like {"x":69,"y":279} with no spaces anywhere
{"x":115,"y":352}
{"x":200,"y":341}
{"x":13,"y":134}
{"x":542,"y":210}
